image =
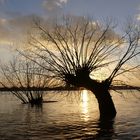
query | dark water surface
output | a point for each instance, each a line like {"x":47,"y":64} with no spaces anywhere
{"x":72,"y":117}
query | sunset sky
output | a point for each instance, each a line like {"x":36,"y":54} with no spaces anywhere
{"x":15,"y":15}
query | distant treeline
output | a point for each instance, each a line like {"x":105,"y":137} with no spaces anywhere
{"x":37,"y":88}
{"x":61,"y":88}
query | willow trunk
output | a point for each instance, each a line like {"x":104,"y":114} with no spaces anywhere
{"x":101,"y":91}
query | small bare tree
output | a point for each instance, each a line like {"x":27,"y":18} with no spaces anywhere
{"x":25,"y":79}
{"x":74,"y":51}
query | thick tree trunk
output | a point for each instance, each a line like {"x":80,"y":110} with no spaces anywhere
{"x":101,"y":91}
{"x":106,"y":105}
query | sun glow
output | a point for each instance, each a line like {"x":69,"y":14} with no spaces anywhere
{"x":84,"y":96}
{"x":85,"y":105}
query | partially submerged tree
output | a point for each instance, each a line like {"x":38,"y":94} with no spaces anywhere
{"x":25,"y":80}
{"x":75,"y":51}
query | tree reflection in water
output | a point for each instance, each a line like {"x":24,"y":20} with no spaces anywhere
{"x":106,"y":129}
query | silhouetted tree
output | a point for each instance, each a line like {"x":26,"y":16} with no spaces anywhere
{"x":25,"y":79}
{"x":75,"y":50}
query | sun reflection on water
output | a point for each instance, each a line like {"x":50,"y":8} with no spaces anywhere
{"x":85,"y":105}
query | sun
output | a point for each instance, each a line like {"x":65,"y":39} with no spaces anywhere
{"x":85,"y":105}
{"x":84,"y":95}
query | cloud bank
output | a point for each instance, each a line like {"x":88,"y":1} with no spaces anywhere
{"x":15,"y":29}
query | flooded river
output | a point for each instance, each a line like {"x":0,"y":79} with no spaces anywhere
{"x":73,"y":116}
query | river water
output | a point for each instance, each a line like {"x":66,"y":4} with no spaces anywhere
{"x":73,"y":116}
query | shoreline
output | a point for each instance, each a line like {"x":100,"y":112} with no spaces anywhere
{"x":62,"y":88}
